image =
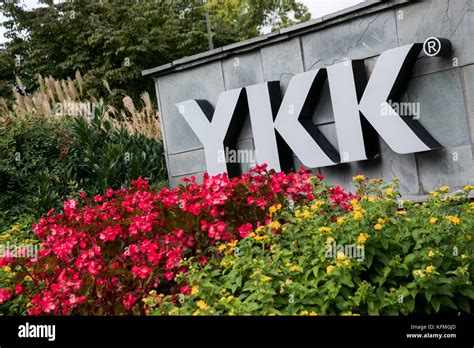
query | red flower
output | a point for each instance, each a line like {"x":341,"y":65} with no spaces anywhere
{"x":169,"y":275}
{"x":5,"y":295}
{"x":18,"y":289}
{"x":141,"y":272}
{"x":244,"y":230}
{"x":128,"y":301}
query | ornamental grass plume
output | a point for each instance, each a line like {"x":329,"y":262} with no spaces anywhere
{"x":68,"y":98}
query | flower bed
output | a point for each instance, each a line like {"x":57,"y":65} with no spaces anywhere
{"x":379,"y":257}
{"x":265,"y":243}
{"x":103,"y":254}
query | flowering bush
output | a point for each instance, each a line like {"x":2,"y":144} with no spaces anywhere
{"x":376,"y":255}
{"x":103,"y":254}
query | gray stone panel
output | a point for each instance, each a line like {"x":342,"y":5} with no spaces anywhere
{"x":468,"y":77}
{"x":449,"y":19}
{"x":337,"y":175}
{"x":442,"y":110}
{"x":356,"y":39}
{"x":187,"y":162}
{"x":281,"y":61}
{"x":452,"y":167}
{"x":203,"y":82}
{"x":176,"y":180}
{"x":297,"y":165}
{"x":389,"y":165}
{"x":242,"y":70}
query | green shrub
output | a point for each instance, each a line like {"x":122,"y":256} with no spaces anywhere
{"x":45,"y":160}
{"x":30,"y":149}
{"x":397,"y":258}
{"x":103,"y":157}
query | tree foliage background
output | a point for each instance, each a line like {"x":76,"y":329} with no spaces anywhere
{"x":116,"y":40}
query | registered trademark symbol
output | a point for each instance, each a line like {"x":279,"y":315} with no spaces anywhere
{"x":434,"y":46}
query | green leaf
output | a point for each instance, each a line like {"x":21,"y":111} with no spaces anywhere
{"x":429,"y":294}
{"x":410,"y":303}
{"x":346,"y":280}
{"x":468,"y":292}
{"x":448,"y":302}
{"x":435,"y":302}
{"x":372,"y":309}
{"x":409,"y":259}
{"x":463,"y":304}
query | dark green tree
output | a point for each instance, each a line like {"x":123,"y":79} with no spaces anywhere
{"x":116,"y":40}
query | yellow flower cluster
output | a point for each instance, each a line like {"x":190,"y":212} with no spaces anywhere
{"x":362,"y":238}
{"x":433,"y":220}
{"x":330,"y":240}
{"x":274,"y":225}
{"x":342,"y":260}
{"x":468,"y":188}
{"x":195,"y":290}
{"x":420,"y":273}
{"x":312,"y":313}
{"x":255,"y":235}
{"x":358,"y":178}
{"x":260,"y":238}
{"x":302,"y":214}
{"x":274,"y":208}
{"x":369,"y":199}
{"x":324,"y":229}
{"x":340,"y":256}
{"x":227,"y":248}
{"x":293,"y":268}
{"x":316,"y":205}
{"x":202,"y":305}
{"x":444,"y":188}
{"x":358,"y":211}
{"x":453,"y":219}
{"x":16,"y":228}
{"x":389,"y":191}
{"x":430,"y":268}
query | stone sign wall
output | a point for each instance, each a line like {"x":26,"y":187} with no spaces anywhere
{"x":443,"y":88}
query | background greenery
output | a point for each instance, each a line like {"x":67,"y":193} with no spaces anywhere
{"x":116,"y":40}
